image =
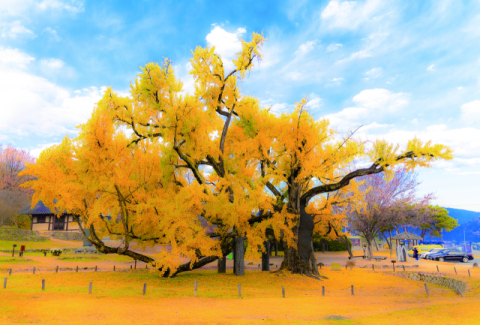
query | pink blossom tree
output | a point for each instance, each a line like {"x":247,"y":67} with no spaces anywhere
{"x":388,"y":204}
{"x":12,"y":197}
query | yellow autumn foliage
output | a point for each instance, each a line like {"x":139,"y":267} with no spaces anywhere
{"x":145,"y":166}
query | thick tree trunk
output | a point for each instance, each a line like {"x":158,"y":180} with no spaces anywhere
{"x":301,"y":260}
{"x":276,"y":248}
{"x":266,"y":257}
{"x":239,"y":255}
{"x":222,"y":265}
{"x":234,"y":256}
{"x":369,"y":248}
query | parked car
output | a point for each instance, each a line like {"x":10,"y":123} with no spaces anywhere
{"x":432,"y":251}
{"x":450,"y":255}
{"x":423,"y":249}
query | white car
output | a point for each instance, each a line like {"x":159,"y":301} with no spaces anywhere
{"x":424,"y":255}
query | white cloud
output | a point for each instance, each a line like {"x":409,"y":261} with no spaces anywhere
{"x":275,"y":108}
{"x":14,"y":58}
{"x":356,"y":55}
{"x":334,"y":47}
{"x":375,"y":125}
{"x":471,"y":111}
{"x":315,"y":102}
{"x":414,"y":121}
{"x":306,"y":47}
{"x":461,"y":140}
{"x":51,"y":63}
{"x":381,"y":99}
{"x":226,"y":44}
{"x":334,"y":82}
{"x":370,"y":102}
{"x":34,"y":105}
{"x":52,"y":32}
{"x":349,"y":14}
{"x":73,"y":6}
{"x":431,"y":67}
{"x":15,"y":8}
{"x":373,"y":73}
{"x":35,"y":152}
{"x":15,"y":29}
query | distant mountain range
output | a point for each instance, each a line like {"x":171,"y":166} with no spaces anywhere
{"x":468,"y":221}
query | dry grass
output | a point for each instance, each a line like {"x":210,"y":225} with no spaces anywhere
{"x":380,"y":298}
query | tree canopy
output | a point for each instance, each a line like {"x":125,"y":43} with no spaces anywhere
{"x":253,"y":171}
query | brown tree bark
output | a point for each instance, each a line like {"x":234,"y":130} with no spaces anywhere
{"x":239,"y":255}
{"x":222,"y":265}
{"x":301,"y":260}
{"x":266,"y":257}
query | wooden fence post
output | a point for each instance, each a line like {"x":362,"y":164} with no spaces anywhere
{"x":403,"y":268}
{"x":56,"y":271}
{"x":5,"y":283}
{"x":283,"y":291}
{"x":426,"y":289}
{"x":195,"y":292}
{"x":438,"y":269}
{"x":352,"y":291}
{"x":95,"y":268}
{"x":90,"y":288}
{"x":468,"y":273}
{"x":114,"y":268}
{"x":43,"y":284}
{"x":10,"y":271}
{"x":323,"y":290}
{"x":144,"y":288}
{"x":34,"y":270}
{"x":455,"y":270}
{"x":77,"y":268}
{"x":239,"y":291}
{"x":373,"y":267}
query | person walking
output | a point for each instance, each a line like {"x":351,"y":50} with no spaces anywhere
{"x":415,"y":253}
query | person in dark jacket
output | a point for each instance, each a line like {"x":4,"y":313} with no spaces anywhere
{"x":415,"y":253}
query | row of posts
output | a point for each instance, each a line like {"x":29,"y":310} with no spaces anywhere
{"x":90,"y":286}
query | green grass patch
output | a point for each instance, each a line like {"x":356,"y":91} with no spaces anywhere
{"x":8,"y":244}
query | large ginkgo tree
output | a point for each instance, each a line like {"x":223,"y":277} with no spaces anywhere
{"x":145,"y":166}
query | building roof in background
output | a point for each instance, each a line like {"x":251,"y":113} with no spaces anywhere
{"x":39,"y":208}
{"x":406,"y":236}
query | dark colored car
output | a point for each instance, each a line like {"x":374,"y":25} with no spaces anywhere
{"x":451,"y":255}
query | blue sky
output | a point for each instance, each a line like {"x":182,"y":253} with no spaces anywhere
{"x":398,"y":68}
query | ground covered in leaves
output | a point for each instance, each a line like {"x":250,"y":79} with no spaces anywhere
{"x":379,"y":298}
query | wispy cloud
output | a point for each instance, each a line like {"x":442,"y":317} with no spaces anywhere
{"x":349,"y":14}
{"x":15,"y":30}
{"x":306,"y":47}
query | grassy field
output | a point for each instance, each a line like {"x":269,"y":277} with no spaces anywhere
{"x":7,"y":244}
{"x":379,"y":298}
